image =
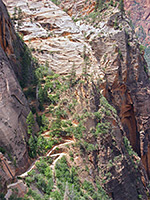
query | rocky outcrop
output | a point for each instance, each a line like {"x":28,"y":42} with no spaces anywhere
{"x":13,"y":105}
{"x":14,"y":48}
{"x":52,"y":36}
{"x":78,"y":7}
{"x":139,"y":11}
{"x":7,"y":171}
{"x":103,"y":149}
{"x":140,"y":14}
{"x":127,"y":84}
{"x":102,"y":46}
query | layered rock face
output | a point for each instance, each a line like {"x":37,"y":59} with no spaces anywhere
{"x":105,"y":47}
{"x":13,"y":105}
{"x":78,"y":8}
{"x":101,"y":148}
{"x":49,"y":31}
{"x":126,"y":79}
{"x":139,"y":12}
{"x":140,"y":15}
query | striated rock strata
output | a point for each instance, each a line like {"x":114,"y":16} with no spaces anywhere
{"x":140,"y":14}
{"x":104,"y":46}
{"x":139,"y":11}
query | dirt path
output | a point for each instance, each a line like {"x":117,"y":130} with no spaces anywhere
{"x":48,"y":154}
{"x":33,"y":165}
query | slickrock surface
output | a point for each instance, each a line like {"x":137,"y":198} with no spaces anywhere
{"x":53,"y":36}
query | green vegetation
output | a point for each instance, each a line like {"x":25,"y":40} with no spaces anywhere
{"x":121,"y":6}
{"x":68,"y":183}
{"x":30,"y":123}
{"x":65,"y":175}
{"x":2,"y":196}
{"x":42,"y":180}
{"x":30,"y":93}
{"x":142,"y":48}
{"x":116,"y":24}
{"x":133,"y":155}
{"x":102,"y":4}
{"x":39,"y":145}
{"x":26,"y":66}
{"x":96,"y":195}
{"x":99,"y":4}
{"x":145,"y":69}
{"x":128,"y":147}
{"x":72,"y":76}
{"x":2,"y":150}
{"x":57,"y":2}
{"x":147,"y":56}
{"x":17,"y":17}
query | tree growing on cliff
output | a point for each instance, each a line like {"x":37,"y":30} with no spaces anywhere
{"x":14,"y":14}
{"x":99,"y":4}
{"x":30,"y":122}
{"x":121,"y":7}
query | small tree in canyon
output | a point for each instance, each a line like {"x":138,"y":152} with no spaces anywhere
{"x":30,"y":122}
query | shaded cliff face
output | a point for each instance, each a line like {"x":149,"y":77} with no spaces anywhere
{"x":100,"y":161}
{"x":13,"y":105}
{"x":127,"y":85}
{"x":101,"y":155}
{"x":140,"y":15}
{"x":103,"y":50}
{"x":139,"y":12}
{"x":15,"y":49}
{"x":125,"y":71}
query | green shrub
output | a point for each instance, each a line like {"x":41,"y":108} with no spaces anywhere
{"x":41,"y":166}
{"x":57,"y":2}
{"x":2,"y":196}
{"x":30,"y":122}
{"x":128,"y":146}
{"x":32,"y":146}
{"x":142,"y":48}
{"x":34,"y":194}
{"x":65,"y":175}
{"x":56,"y":195}
{"x":2,"y":150}
{"x":41,"y":182}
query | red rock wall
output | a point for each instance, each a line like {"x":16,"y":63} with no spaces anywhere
{"x":139,"y":11}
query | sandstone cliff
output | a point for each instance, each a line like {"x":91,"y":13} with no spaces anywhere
{"x":139,"y":11}
{"x":140,"y":15}
{"x":13,"y":105}
{"x":103,"y":50}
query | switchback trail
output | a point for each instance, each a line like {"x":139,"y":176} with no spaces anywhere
{"x":33,"y":165}
{"x":47,"y":155}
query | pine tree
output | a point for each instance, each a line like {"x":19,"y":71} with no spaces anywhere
{"x":20,"y":16}
{"x":14,"y":14}
{"x":30,"y":122}
{"x":72,"y":77}
{"x":99,"y":4}
{"x":111,"y":3}
{"x":121,"y":6}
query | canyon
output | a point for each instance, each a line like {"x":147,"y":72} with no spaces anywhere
{"x":107,"y":102}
